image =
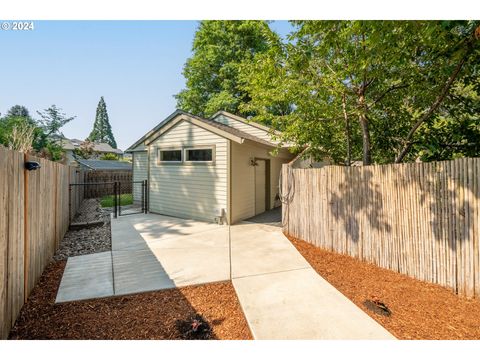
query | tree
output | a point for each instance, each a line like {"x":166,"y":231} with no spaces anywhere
{"x":364,"y":88}
{"x":17,"y":116}
{"x":21,"y":137}
{"x":109,"y":156}
{"x":18,"y":111}
{"x":51,"y":121}
{"x":219,"y":49}
{"x":102,"y":131}
{"x":85,"y":151}
{"x":41,"y":137}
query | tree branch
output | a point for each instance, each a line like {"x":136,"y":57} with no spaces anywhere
{"x":389,"y":90}
{"x":438,"y":101}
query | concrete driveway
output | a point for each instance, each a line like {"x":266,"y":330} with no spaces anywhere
{"x":281,"y":295}
{"x":149,"y":252}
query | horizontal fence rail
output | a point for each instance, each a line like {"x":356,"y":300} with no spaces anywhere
{"x":419,"y":219}
{"x":34,"y":216}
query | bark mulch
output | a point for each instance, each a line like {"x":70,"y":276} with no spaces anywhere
{"x":213,"y":308}
{"x":419,"y":310}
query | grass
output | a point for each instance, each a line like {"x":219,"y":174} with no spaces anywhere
{"x":125,"y":199}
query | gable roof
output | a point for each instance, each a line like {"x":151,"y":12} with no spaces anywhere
{"x":105,"y":164}
{"x":242,"y":120}
{"x":207,"y":124}
{"x":72,"y":144}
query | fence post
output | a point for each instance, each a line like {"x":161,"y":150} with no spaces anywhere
{"x":115,"y":199}
{"x":146,"y":195}
{"x":69,"y":202}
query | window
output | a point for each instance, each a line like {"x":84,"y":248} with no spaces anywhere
{"x":199,"y":155}
{"x":171,"y":155}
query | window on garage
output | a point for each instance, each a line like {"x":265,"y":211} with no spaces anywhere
{"x":171,"y":155}
{"x":200,"y":154}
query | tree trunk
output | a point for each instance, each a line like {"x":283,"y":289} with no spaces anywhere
{"x":347,"y":130}
{"x":367,"y":158}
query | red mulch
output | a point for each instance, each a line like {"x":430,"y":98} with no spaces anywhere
{"x":419,"y":310}
{"x":153,"y":315}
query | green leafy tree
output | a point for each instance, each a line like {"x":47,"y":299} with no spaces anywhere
{"x":212,"y":73}
{"x":18,"y":111}
{"x":368,"y":89}
{"x":10,"y":122}
{"x":109,"y":156}
{"x":102,"y":131}
{"x":20,"y":132}
{"x":455,"y":131}
{"x":85,"y":151}
{"x":48,"y":143}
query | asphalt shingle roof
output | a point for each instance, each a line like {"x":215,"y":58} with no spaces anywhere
{"x":105,"y":164}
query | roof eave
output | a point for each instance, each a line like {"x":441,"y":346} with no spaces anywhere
{"x":185,"y":117}
{"x":245,"y":121}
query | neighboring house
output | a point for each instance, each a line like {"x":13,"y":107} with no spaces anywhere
{"x":104,"y":165}
{"x":99,"y":149}
{"x":217,"y":169}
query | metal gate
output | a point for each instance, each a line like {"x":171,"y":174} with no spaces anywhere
{"x":130,"y":198}
{"x":91,"y":200}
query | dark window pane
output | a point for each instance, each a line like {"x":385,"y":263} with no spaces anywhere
{"x":199,"y":155}
{"x":171,"y":155}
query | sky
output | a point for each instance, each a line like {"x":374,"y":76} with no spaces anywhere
{"x":135,"y":65}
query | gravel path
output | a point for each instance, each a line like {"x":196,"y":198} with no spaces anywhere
{"x":87,"y":240}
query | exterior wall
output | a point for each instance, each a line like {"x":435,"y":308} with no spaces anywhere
{"x":249,"y":129}
{"x":243,"y":177}
{"x":140,"y":172}
{"x":195,"y":191}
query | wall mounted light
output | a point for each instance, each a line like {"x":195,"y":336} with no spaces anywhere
{"x":253,"y":162}
{"x":32,"y":165}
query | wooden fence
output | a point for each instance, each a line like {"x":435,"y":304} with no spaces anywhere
{"x":34,"y":216}
{"x":419,"y":219}
{"x":102,"y":182}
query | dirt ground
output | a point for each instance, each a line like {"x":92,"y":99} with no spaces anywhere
{"x":419,"y":310}
{"x":154,"y":315}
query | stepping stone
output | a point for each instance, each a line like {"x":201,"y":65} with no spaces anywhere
{"x":86,"y":277}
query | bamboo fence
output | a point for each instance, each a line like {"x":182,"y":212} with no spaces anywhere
{"x":419,"y":219}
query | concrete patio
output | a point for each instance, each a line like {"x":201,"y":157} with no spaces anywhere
{"x":281,"y":295}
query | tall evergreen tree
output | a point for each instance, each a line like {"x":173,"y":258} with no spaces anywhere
{"x":102,"y":131}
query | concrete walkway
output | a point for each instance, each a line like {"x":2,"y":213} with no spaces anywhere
{"x":281,"y":295}
{"x":149,"y":252}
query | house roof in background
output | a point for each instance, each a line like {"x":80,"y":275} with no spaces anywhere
{"x":105,"y":164}
{"x":104,"y":147}
{"x":72,"y":144}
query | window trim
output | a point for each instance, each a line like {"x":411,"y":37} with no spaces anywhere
{"x":199,"y":147}
{"x":166,"y":162}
